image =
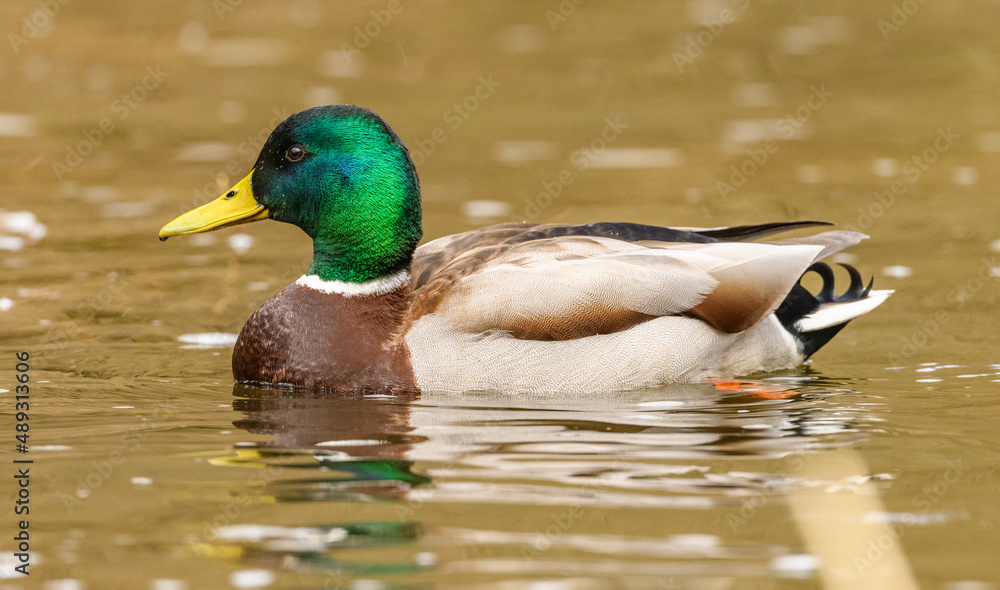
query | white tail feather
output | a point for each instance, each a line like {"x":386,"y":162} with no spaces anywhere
{"x":834,"y":314}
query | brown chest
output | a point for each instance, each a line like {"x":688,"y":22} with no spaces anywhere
{"x":327,"y":342}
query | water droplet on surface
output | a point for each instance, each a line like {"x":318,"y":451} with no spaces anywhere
{"x":66,"y":584}
{"x":232,"y":112}
{"x":251,"y":578}
{"x":844,"y":258}
{"x":885,"y":167}
{"x":240,"y":243}
{"x":246,"y":53}
{"x":637,"y":158}
{"x":485,"y":209}
{"x":208,"y":340}
{"x":202,"y":240}
{"x":205,"y":151}
{"x":523,"y":38}
{"x":514,"y":152}
{"x":305,"y":14}
{"x":100,"y":77}
{"x":321,"y":95}
{"x":11,"y":243}
{"x":794,"y":565}
{"x":989,"y":141}
{"x":335,"y":64}
{"x":754,"y":94}
{"x":661,"y":404}
{"x":810,"y":174}
{"x":15,"y":125}
{"x":193,"y":37}
{"x":127,"y":210}
{"x":965,"y":176}
{"x":897,"y":271}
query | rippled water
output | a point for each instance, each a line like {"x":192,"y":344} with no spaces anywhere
{"x":874,"y":466}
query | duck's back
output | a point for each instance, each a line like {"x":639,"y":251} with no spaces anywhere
{"x":606,"y":306}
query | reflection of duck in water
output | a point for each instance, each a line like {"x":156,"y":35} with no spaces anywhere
{"x":359,"y":444}
{"x":332,"y":449}
{"x":683,"y":447}
{"x":362,"y":448}
{"x":514,"y":307}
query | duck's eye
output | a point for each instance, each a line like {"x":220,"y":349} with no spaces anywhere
{"x":295,"y":153}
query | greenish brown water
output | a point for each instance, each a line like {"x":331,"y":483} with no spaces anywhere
{"x":151,"y":471}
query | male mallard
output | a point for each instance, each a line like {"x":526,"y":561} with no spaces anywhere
{"x":513,"y":307}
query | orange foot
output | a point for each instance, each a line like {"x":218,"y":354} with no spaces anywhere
{"x":754,"y":388}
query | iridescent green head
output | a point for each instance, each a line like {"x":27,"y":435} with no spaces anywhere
{"x":343,"y":176}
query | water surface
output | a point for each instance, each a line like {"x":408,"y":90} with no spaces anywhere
{"x":153,"y":471}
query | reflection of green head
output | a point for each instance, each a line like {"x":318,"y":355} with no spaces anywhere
{"x":343,"y":176}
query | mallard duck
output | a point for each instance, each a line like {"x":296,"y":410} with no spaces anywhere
{"x":513,"y":307}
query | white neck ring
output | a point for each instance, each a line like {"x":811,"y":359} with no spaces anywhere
{"x":381,"y":286}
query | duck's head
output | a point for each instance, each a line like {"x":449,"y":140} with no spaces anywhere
{"x":341,"y":174}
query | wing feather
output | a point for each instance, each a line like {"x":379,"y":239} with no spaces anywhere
{"x":576,"y":286}
{"x":557,"y":298}
{"x":832,"y":241}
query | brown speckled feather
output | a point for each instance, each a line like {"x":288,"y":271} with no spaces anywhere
{"x":319,"y":341}
{"x":439,"y":264}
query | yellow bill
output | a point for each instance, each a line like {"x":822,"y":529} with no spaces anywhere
{"x":233,"y":208}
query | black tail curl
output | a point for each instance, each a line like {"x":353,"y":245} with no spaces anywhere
{"x":800,"y":303}
{"x":855,"y":291}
